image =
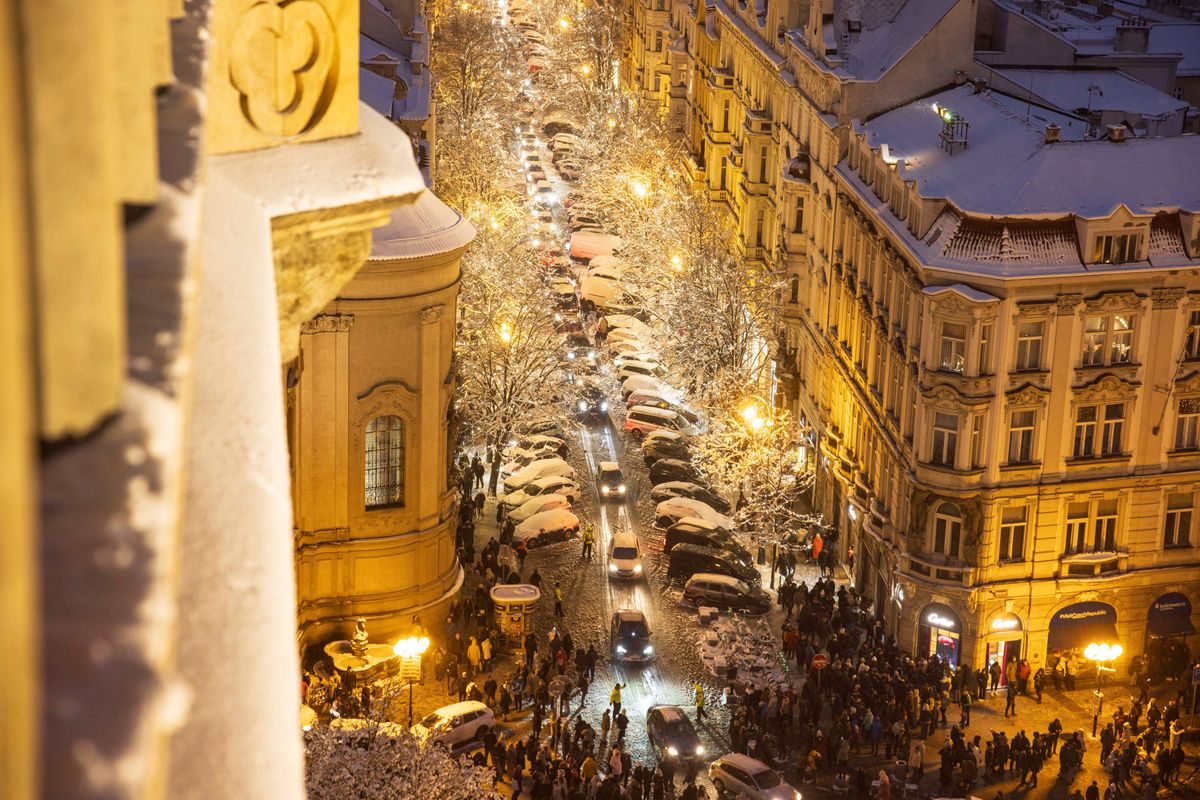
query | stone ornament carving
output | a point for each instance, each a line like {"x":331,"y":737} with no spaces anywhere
{"x":1027,"y":396}
{"x":1167,"y":298}
{"x":1025,"y":310}
{"x":1188,"y":384}
{"x":1066,"y":304}
{"x":359,"y":640}
{"x":432,"y":314}
{"x":283,"y":62}
{"x":328,"y":323}
{"x":945,"y":396}
{"x":1113,"y":301}
{"x":1106,"y":387}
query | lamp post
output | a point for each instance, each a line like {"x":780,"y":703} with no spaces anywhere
{"x":410,"y":651}
{"x":1099,"y":654}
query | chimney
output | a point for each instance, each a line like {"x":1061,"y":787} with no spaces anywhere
{"x":978,"y":85}
{"x":1132,"y":38}
{"x":1052,"y":133}
{"x":1116,"y":133}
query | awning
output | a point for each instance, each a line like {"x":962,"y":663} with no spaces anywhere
{"x":1170,"y":615}
{"x":1070,"y":637}
{"x":1170,"y":626}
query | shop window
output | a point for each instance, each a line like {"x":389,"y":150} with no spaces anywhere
{"x":947,"y":530}
{"x":384,"y":462}
{"x":954,"y":346}
{"x":1020,"y":437}
{"x":1108,"y":340}
{"x":1029,"y":345}
{"x":1177,"y":527}
{"x":1186,"y":424}
{"x":945,"y":438}
{"x":1012,"y":534}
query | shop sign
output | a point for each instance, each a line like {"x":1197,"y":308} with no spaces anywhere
{"x":1006,"y":622}
{"x":1173,"y":604}
{"x":1084,"y":613}
{"x":938,"y":621}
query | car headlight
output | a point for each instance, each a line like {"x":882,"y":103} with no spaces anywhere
{"x":637,"y":569}
{"x":558,"y":317}
{"x":604,"y":405}
{"x":603,"y":490}
{"x":621,"y":650}
{"x":621,"y":489}
{"x":612,"y":567}
{"x":582,"y":405}
{"x":647,"y":650}
{"x":699,"y":749}
{"x":671,"y":751}
{"x":570,"y":355}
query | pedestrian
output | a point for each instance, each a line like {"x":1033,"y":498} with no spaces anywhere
{"x":1010,"y":702}
{"x":994,"y":677}
{"x":1039,"y":683}
{"x":583,"y":689}
{"x":614,"y":697}
{"x":474,"y":656}
{"x":605,"y":723}
{"x":477,"y":469}
{"x":965,"y":720}
{"x":699,"y":692}
{"x":588,"y":539}
{"x":622,"y":722}
{"x":558,"y":597}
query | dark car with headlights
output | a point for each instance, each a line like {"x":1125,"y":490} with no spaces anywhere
{"x":630,"y":636}
{"x":591,"y":404}
{"x":672,"y":734}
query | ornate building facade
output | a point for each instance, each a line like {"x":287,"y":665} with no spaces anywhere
{"x":990,"y":319}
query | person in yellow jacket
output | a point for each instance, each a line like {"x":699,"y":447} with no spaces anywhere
{"x":614,"y":698}
{"x":589,"y":539}
{"x":588,"y":769}
{"x":699,"y":690}
{"x":558,"y":609}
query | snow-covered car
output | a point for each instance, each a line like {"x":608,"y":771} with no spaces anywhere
{"x":641,"y":420}
{"x":592,"y":403}
{"x":455,"y":724}
{"x":624,"y":556}
{"x":542,"y":468}
{"x":672,"y":734}
{"x":673,"y":509}
{"x":672,"y":469}
{"x":665,"y":448}
{"x":631,"y":367}
{"x":696,"y":491}
{"x":649,"y":397}
{"x":536,"y":443}
{"x":546,"y":527}
{"x":542,"y":188}
{"x":555,"y":484}
{"x":610,"y":480}
{"x":630,"y":636}
{"x":635,"y":382}
{"x":738,"y":774}
{"x":536,"y":505}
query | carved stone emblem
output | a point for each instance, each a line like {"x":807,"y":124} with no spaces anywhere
{"x":283,"y":62}
{"x":328,"y":323}
{"x":432,"y":314}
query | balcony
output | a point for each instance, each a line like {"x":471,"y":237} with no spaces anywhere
{"x":1092,"y":565}
{"x":937,"y":569}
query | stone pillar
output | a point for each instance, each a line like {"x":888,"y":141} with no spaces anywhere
{"x":322,"y":453}
{"x":430,"y":448}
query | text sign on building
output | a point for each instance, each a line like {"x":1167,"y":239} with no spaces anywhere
{"x":1084,"y":613}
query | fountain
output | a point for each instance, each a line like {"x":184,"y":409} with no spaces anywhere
{"x":357,"y":657}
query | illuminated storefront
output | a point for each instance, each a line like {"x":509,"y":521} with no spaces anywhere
{"x":940,"y":633}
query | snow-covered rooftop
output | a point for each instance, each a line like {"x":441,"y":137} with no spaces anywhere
{"x":888,"y":30}
{"x":376,"y":91}
{"x":1008,"y":170}
{"x":423,"y":228}
{"x":1178,"y":38}
{"x":1076,"y":90}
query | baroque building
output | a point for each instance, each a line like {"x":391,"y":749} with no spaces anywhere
{"x":186,"y":274}
{"x":991,"y":319}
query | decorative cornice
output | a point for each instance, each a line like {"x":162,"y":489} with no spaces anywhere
{"x":947,"y":396}
{"x":1188,"y":384}
{"x":1065,"y":304}
{"x":1035,"y":310}
{"x":1114,"y":301}
{"x":1107,"y":386}
{"x":1167,"y":298}
{"x":432,"y":314}
{"x":328,"y":323}
{"x":1027,"y":395}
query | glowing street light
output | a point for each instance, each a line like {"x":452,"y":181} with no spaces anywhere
{"x":612,"y":122}
{"x":585,"y":70}
{"x":640,"y":189}
{"x":506,"y":332}
{"x":1100,"y":653}
{"x":411,"y":650}
{"x":677,"y":263}
{"x":564,"y":23}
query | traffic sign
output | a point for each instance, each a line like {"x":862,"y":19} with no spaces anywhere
{"x":1196,"y":676}
{"x":820,"y":661}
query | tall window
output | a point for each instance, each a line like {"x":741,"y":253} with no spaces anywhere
{"x":1012,"y":534}
{"x":1191,"y":345}
{"x":385,"y":462}
{"x":985,"y":349}
{"x":1108,"y":340}
{"x":1186,"y":424}
{"x":1085,"y":432}
{"x":1029,"y":345}
{"x":798,"y":222}
{"x":945,"y":438}
{"x":1109,"y":418}
{"x":977,"y":441}
{"x":725,"y":116}
{"x":1077,"y":520}
{"x":1177,"y":528}
{"x":1020,"y":437}
{"x":947,"y":530}
{"x":1104,"y":527}
{"x":794,"y":290}
{"x":658,"y":41}
{"x":1117,"y":248}
{"x":954,"y":346}
{"x":1113,"y":429}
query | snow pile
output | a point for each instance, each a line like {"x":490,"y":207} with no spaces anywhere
{"x":747,"y":645}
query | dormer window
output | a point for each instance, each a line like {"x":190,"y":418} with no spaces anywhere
{"x":1117,"y":248}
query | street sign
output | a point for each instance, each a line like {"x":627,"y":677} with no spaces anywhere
{"x":1196,"y":676}
{"x":820,"y":661}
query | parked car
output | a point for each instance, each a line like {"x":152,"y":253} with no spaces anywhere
{"x":672,"y":734}
{"x":692,"y":530}
{"x":689,"y":416}
{"x":632,"y":384}
{"x":689,"y":559}
{"x":455,"y":724}
{"x":629,"y":636}
{"x":624,"y":556}
{"x":632,"y":367}
{"x":643,"y":419}
{"x":661,"y":447}
{"x":547,"y":527}
{"x":542,"y":468}
{"x":670,"y":511}
{"x":610,"y":480}
{"x":695,"y":491}
{"x":554,"y":484}
{"x":723,"y":591}
{"x":739,"y":775}
{"x":672,"y":469}
{"x":536,"y":505}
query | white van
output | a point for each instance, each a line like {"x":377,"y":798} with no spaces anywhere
{"x":644,"y":419}
{"x":624,"y":556}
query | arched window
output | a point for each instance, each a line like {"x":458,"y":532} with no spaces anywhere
{"x":794,"y":288}
{"x":384,"y":463}
{"x":947,"y":530}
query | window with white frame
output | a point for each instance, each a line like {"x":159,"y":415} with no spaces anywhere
{"x":1099,"y":430}
{"x":1117,"y":248}
{"x":985,"y":349}
{"x":384,"y":462}
{"x":1029,"y":345}
{"x":1191,"y":343}
{"x":977,"y":441}
{"x":1020,"y":436}
{"x":1177,"y":526}
{"x":1108,"y":339}
{"x":947,"y":530}
{"x":1187,"y":422}
{"x":945,"y":438}
{"x":1013,"y":526}
{"x":1104,"y":527}
{"x":1077,"y":525}
{"x":954,"y":346}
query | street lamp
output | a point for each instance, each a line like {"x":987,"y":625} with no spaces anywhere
{"x":640,"y":189}
{"x":506,"y":334}
{"x":677,"y":263}
{"x":1099,"y":654}
{"x":564,"y":23}
{"x":410,"y":651}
